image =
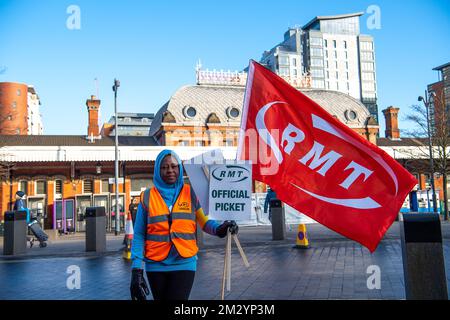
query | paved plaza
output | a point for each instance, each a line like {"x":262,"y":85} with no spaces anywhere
{"x":333,"y":268}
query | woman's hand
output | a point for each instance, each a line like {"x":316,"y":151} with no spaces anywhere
{"x":224,"y":227}
{"x":138,"y":286}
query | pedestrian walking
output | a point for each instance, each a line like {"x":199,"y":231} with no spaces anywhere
{"x":165,"y":234}
{"x":269,"y":196}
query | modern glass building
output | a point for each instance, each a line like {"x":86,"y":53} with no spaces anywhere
{"x":331,"y":50}
{"x":130,"y":124}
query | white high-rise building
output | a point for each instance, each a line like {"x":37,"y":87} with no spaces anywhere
{"x":35,"y":126}
{"x":333,"y":53}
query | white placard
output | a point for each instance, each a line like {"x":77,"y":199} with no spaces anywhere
{"x":198,"y":179}
{"x":230,"y":191}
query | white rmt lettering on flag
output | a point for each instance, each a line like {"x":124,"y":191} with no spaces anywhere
{"x":316,"y":164}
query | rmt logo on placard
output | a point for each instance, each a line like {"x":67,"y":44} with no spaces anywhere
{"x":230,"y":173}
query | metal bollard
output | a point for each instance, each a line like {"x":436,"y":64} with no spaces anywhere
{"x":423,"y":258}
{"x":278,"y":220}
{"x":15,"y":235}
{"x":95,"y":229}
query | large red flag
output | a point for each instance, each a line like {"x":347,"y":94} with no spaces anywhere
{"x":316,"y":164}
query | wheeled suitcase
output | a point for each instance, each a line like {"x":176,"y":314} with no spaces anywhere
{"x":38,"y":232}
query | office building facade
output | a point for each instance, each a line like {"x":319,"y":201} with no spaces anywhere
{"x":333,"y":53}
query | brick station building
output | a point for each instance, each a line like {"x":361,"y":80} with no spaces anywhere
{"x":197,"y":118}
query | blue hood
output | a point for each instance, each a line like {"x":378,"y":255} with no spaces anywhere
{"x":169,"y":192}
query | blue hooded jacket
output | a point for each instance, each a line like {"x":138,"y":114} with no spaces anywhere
{"x":174,"y":262}
{"x":169,"y":192}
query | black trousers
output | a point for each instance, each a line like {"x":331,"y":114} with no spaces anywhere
{"x":171,"y":285}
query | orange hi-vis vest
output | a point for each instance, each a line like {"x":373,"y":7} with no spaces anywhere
{"x":165,"y":228}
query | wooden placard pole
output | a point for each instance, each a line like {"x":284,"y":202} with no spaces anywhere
{"x":226,"y":277}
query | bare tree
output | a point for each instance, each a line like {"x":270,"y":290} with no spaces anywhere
{"x":440,"y":137}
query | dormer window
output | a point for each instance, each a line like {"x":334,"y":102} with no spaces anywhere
{"x":189,"y":112}
{"x":233,"y":112}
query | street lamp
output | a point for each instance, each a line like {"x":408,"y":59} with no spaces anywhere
{"x":116,"y":158}
{"x":427,"y":101}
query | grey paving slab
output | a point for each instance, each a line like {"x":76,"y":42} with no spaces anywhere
{"x":333,"y":268}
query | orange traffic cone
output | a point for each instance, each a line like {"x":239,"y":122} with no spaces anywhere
{"x":128,"y":237}
{"x":302,"y":237}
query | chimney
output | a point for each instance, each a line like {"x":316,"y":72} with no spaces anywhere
{"x":391,"y":115}
{"x":93,"y":106}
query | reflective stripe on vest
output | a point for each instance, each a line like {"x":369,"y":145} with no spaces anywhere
{"x":182,"y":231}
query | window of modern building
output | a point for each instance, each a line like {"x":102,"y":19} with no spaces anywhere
{"x":325,"y":42}
{"x":368,"y":86}
{"x":316,"y":62}
{"x":295,"y":72}
{"x":41,"y":187}
{"x":328,"y":74}
{"x":366,"y":45}
{"x":346,"y":65}
{"x":317,"y":52}
{"x":88,"y":186}
{"x":319,"y":84}
{"x":23,"y":186}
{"x":336,"y":64}
{"x":337,"y":74}
{"x":335,"y":54}
{"x":348,"y":78}
{"x":345,"y":44}
{"x":284,"y":71}
{"x":367,"y":66}
{"x":368,"y":76}
{"x":366,"y":55}
{"x":337,"y":86}
{"x":316,"y":41}
{"x":326,"y":53}
{"x":348,"y":85}
{"x":328,"y":85}
{"x":369,"y":95}
{"x":283,"y":60}
{"x":334,"y":43}
{"x":317,"y":73}
{"x":294,"y":62}
{"x":327,"y":64}
{"x":346,"y":54}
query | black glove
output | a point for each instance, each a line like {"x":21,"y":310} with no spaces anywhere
{"x":138,"y":286}
{"x":224,"y":227}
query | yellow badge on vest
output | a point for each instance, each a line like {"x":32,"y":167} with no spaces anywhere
{"x":184,"y":206}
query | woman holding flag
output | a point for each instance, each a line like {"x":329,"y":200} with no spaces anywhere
{"x":165,"y":234}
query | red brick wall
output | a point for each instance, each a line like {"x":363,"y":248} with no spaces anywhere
{"x":18,"y":114}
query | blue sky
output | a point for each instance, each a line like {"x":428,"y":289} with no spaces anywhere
{"x":152,"y":48}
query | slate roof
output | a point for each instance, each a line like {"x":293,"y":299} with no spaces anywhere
{"x":70,"y":140}
{"x":403,"y":142}
{"x":207,"y":99}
